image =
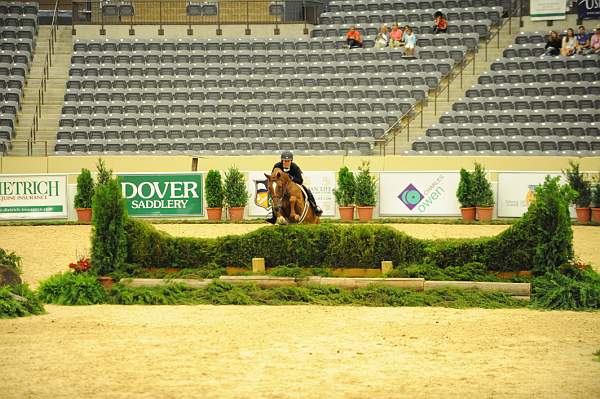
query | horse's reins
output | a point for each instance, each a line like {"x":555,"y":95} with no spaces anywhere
{"x":287,"y":194}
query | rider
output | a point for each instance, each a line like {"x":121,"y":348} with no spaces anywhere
{"x":295,"y":173}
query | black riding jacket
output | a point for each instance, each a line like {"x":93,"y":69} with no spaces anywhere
{"x":295,"y":173}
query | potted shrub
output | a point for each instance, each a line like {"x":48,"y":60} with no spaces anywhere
{"x":483,"y":194}
{"x":84,"y":195}
{"x":344,"y":193}
{"x":465,"y":195}
{"x":235,"y":193}
{"x":583,"y":190}
{"x":596,"y":202}
{"x":366,"y":189}
{"x":213,"y":189}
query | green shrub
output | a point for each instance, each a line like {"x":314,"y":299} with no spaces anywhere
{"x":72,"y":289}
{"x":85,"y":189}
{"x":473,"y":271}
{"x":346,"y":187}
{"x":108,"y":232}
{"x":366,"y":187}
{"x":579,"y":185}
{"x":570,"y":289}
{"x":103,"y":174}
{"x":596,"y":195}
{"x":482,"y":190}
{"x":11,"y":307}
{"x":11,"y":260}
{"x":465,"y":192}
{"x":235,"y":191}
{"x":213,"y":189}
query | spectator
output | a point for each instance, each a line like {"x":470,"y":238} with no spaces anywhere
{"x":396,"y":36}
{"x":441,"y":25}
{"x":569,"y":43}
{"x":583,"y":39}
{"x":553,"y":46}
{"x":410,"y":42}
{"x":595,"y":41}
{"x":382,"y":39}
{"x":353,"y":38}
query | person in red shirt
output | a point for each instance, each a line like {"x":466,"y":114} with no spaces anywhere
{"x":353,"y":38}
{"x":441,"y":25}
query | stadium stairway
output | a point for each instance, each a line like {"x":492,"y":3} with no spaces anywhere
{"x":53,"y":97}
{"x":431,"y":113}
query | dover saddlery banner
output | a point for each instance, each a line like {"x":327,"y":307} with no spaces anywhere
{"x":418,"y":194}
{"x":162,"y":194}
{"x":320,"y":183}
{"x":516,"y":190}
{"x":33,"y":196}
{"x":543,"y":10}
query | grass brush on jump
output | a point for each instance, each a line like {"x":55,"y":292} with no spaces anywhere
{"x":223,"y":293}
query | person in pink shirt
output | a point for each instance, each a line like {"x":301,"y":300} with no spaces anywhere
{"x":595,"y":41}
{"x":396,"y":36}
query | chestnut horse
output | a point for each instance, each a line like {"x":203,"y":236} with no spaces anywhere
{"x":288,"y":200}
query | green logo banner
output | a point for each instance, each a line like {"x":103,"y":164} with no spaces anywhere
{"x":165,"y":194}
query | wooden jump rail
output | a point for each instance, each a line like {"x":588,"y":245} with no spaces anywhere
{"x":517,"y":290}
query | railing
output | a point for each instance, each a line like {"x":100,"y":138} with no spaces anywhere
{"x":182,"y":12}
{"x":405,"y":121}
{"x":35,"y":125}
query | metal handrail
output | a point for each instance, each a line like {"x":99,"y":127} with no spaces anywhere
{"x":44,"y":83}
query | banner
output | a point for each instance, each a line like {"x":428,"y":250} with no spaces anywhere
{"x":33,"y":196}
{"x":543,"y":10}
{"x":516,"y":190}
{"x":320,"y":183}
{"x":164,"y":194}
{"x":418,"y":194}
{"x":588,"y":9}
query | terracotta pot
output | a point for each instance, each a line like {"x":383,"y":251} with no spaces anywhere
{"x":236,"y":213}
{"x":214,"y":213}
{"x":468,"y":214}
{"x":346,"y":212}
{"x":365,"y":213}
{"x":107,"y":282}
{"x":584,"y":215}
{"x":84,"y":214}
{"x":484,"y":214}
{"x":596,"y":215}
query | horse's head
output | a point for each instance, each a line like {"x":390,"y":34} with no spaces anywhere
{"x":277,"y":183}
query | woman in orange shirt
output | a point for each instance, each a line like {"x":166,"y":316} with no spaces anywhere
{"x":353,"y":38}
{"x":441,"y":25}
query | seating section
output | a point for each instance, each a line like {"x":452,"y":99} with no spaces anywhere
{"x":18,"y":29}
{"x":386,"y":5}
{"x":526,"y":105}
{"x":256,"y":96}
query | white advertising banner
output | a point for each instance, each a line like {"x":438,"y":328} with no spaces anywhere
{"x":418,"y":194}
{"x":320,"y":183}
{"x":33,"y":196}
{"x":516,"y":190}
{"x":543,"y":10}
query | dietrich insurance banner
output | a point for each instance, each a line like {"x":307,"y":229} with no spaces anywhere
{"x":33,"y":196}
{"x":543,"y":10}
{"x":163,"y":194}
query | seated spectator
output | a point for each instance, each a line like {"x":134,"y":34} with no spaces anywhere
{"x":382,"y":39}
{"x":396,"y":37}
{"x":583,"y":39}
{"x":554,"y":44}
{"x":410,"y":42}
{"x":441,"y":25}
{"x":569,"y":43}
{"x":595,"y":41}
{"x":353,"y":38}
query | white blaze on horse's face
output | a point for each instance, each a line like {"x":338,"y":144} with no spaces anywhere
{"x":274,"y":186}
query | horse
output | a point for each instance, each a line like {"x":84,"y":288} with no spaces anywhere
{"x":289,"y":201}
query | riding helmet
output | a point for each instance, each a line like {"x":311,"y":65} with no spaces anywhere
{"x":287,"y":156}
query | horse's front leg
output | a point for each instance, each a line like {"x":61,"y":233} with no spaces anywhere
{"x":293,"y":215}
